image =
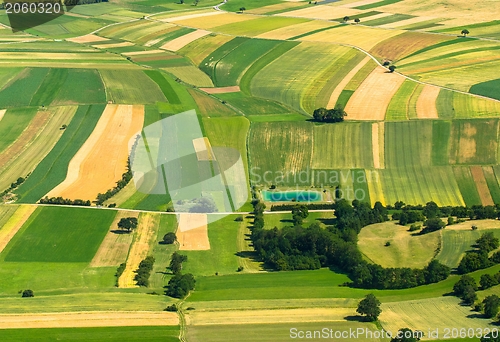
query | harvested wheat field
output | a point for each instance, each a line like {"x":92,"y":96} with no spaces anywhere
{"x":426,"y":103}
{"x":481,"y":185}
{"x":338,"y":89}
{"x":89,"y":38}
{"x":102,"y":159}
{"x":116,"y":244}
{"x":2,"y":113}
{"x":184,"y":40}
{"x":15,"y":223}
{"x":145,"y":234}
{"x":266,"y":316}
{"x":88,"y":319}
{"x":26,"y":138}
{"x":203,"y":149}
{"x":192,"y":16}
{"x":221,"y":90}
{"x":114,"y":45}
{"x":210,"y":21}
{"x":295,"y":30}
{"x":371,"y":99}
{"x":192,"y":232}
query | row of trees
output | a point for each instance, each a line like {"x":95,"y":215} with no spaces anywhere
{"x":144,"y":271}
{"x":63,"y":201}
{"x":176,"y":262}
{"x":329,"y":115}
{"x":466,"y":289}
{"x":126,"y":177}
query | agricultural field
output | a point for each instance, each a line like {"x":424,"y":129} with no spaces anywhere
{"x":420,"y":103}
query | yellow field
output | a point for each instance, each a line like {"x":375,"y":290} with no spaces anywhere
{"x":295,"y":30}
{"x":198,"y":50}
{"x":371,"y":99}
{"x":183,"y":19}
{"x":179,"y":43}
{"x":101,"y":161}
{"x":482,"y":186}
{"x":192,"y":232}
{"x":213,"y":20}
{"x":88,"y":319}
{"x":192,"y":75}
{"x":411,"y":21}
{"x":221,"y":90}
{"x":338,"y":89}
{"x":321,"y":12}
{"x":89,"y":38}
{"x":375,"y":187}
{"x":115,"y":246}
{"x":15,"y":222}
{"x":2,"y":113}
{"x":360,"y":36}
{"x":426,"y":103}
{"x":144,"y":236}
{"x":276,"y":7}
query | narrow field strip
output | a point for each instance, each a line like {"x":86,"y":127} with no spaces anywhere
{"x":405,"y":22}
{"x":179,"y":43}
{"x":138,"y":53}
{"x":116,"y":244}
{"x":15,"y":222}
{"x":482,"y":186}
{"x":426,"y":103}
{"x":2,"y":113}
{"x":88,"y":319}
{"x":371,"y":99}
{"x":375,"y":145}
{"x":144,"y":236}
{"x":338,"y":90}
{"x":221,"y":90}
{"x":192,"y":16}
{"x":319,"y":12}
{"x":266,"y":316}
{"x":101,"y":161}
{"x":192,"y":232}
{"x":113,"y":45}
{"x":375,"y":187}
{"x":89,"y":38}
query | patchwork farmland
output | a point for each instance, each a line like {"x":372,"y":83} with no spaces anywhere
{"x":93,"y":247}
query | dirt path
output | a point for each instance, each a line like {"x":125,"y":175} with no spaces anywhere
{"x":15,"y":223}
{"x":482,"y":186}
{"x":426,"y":103}
{"x":336,"y":93}
{"x":144,"y":236}
{"x":88,"y":319}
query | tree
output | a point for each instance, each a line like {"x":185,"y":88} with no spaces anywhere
{"x":242,"y":9}
{"x":487,"y":242}
{"x":469,"y":296}
{"x":330,"y":115}
{"x":487,"y":281}
{"x":460,"y":286}
{"x":346,"y":19}
{"x":465,"y":32}
{"x":392,"y":68}
{"x":28,"y":293}
{"x":491,"y":304}
{"x":180,"y":285}
{"x":369,"y":306}
{"x":169,"y":238}
{"x":357,"y":21}
{"x":491,"y":337}
{"x":435,"y":272}
{"x":407,"y":335}
{"x":128,"y":223}
{"x":176,"y":262}
{"x":299,"y":213}
{"x":432,"y":225}
{"x":473,"y":261}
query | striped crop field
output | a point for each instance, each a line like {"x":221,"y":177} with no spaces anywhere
{"x":212,"y":21}
{"x":468,"y":137}
{"x":255,"y":27}
{"x":266,"y":142}
{"x":398,"y":108}
{"x":342,"y":146}
{"x":286,"y":78}
{"x":298,"y":30}
{"x":198,"y":50}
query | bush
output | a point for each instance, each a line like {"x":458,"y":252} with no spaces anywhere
{"x":28,"y":293}
{"x":119,"y":272}
{"x":240,"y":268}
{"x":171,"y":308}
{"x":169,"y":238}
{"x":387,"y":243}
{"x":415,"y":227}
{"x":239,"y":218}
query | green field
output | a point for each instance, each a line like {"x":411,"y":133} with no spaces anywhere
{"x":489,"y":89}
{"x":399,"y":106}
{"x":251,"y":106}
{"x":13,"y":123}
{"x":53,"y":168}
{"x":254,"y":27}
{"x":118,"y":334}
{"x":22,"y":89}
{"x":45,"y":237}
{"x":71,"y":93}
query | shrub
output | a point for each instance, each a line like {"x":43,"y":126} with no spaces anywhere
{"x":28,"y":293}
{"x":172,"y":308}
{"x":169,"y":238}
{"x":239,"y":218}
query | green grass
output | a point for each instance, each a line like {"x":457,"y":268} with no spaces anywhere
{"x":491,"y":180}
{"x":53,"y":168}
{"x":398,"y":107}
{"x":444,"y":104}
{"x":6,"y":212}
{"x":387,"y":20}
{"x":276,"y":117}
{"x":164,"y":85}
{"x":467,"y":186}
{"x":229,"y":69}
{"x":360,"y":76}
{"x":6,"y":74}
{"x":254,"y":27}
{"x":191,"y":75}
{"x":455,"y":243}
{"x":344,"y":97}
{"x":342,"y":146}
{"x":71,"y":91}
{"x":253,"y":105}
{"x":45,"y":237}
{"x":130,"y":87}
{"x":21,"y":91}
{"x":310,"y":33}
{"x":408,"y":143}
{"x":13,"y":123}
{"x":118,"y":334}
{"x":221,"y":257}
{"x":210,"y":106}
{"x":162,"y":253}
{"x":280,"y":220}
{"x":257,"y":66}
{"x":289,"y":78}
{"x":489,"y":89}
{"x":441,"y":131}
{"x":49,"y":88}
{"x":235,"y":5}
{"x":268,"y":140}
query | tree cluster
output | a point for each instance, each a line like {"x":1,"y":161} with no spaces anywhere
{"x":127,"y":223}
{"x":299,"y":213}
{"x":64,"y":201}
{"x":180,"y":285}
{"x":329,"y":115}
{"x":176,"y":262}
{"x":431,"y":210}
{"x":478,"y":258}
{"x":119,"y":272}
{"x":169,"y":238}
{"x":126,"y":177}
{"x":144,"y":271}
{"x":309,"y":206}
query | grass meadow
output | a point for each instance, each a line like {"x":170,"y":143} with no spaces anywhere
{"x":14,"y":122}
